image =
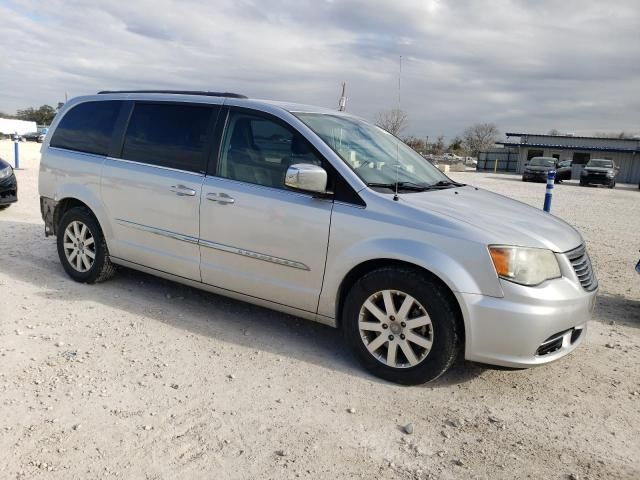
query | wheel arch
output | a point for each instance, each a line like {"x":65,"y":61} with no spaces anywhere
{"x":368,"y":266}
{"x":66,"y":204}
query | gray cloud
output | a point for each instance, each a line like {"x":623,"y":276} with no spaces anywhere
{"x":524,"y":65}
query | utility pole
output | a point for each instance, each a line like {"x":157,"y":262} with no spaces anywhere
{"x":399,"y":78}
{"x":342,"y":104}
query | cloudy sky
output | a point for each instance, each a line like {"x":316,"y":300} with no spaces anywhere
{"x":573,"y":65}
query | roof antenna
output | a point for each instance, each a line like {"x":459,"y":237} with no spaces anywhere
{"x":395,"y":196}
{"x":342,"y":103}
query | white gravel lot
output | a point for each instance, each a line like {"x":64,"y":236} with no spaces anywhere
{"x":143,"y":378}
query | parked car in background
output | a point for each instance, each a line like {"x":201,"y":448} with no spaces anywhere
{"x":319,"y":214}
{"x":599,"y":171}
{"x":538,"y":168}
{"x":8,"y":185}
{"x":34,"y":137}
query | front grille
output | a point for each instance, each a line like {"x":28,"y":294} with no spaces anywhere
{"x":581,"y":263}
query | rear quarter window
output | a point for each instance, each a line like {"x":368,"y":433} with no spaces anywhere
{"x":87,"y":127}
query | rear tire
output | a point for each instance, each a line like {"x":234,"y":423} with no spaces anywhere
{"x":82,"y":247}
{"x":4,"y":207}
{"x":401,"y":325}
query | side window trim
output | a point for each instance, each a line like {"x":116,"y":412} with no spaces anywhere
{"x":122,"y":122}
{"x":219,"y":131}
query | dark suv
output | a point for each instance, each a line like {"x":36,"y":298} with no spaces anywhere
{"x":538,"y":168}
{"x":599,"y":171}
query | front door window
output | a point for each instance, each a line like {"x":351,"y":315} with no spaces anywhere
{"x":259,"y":150}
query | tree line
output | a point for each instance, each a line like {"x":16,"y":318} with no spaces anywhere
{"x":42,"y":115}
{"x":475,"y":138}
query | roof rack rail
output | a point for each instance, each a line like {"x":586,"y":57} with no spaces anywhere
{"x":179,"y":92}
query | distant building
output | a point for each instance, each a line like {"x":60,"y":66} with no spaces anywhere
{"x":624,"y":152}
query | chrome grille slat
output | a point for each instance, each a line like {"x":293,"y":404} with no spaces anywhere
{"x":581,"y":264}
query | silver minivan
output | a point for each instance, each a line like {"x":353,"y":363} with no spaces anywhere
{"x":318,"y":214}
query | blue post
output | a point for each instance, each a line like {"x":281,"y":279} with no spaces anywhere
{"x":16,"y":151}
{"x":551,"y":176}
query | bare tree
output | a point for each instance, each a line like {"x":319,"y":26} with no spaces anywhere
{"x":418,"y":144}
{"x":554,"y":131}
{"x":393,"y":121}
{"x":438,"y":147}
{"x":621,"y":135}
{"x":479,"y":137}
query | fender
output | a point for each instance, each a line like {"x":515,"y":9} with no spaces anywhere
{"x":90,"y":198}
{"x":454,"y":272}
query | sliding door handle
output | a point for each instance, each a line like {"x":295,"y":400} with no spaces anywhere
{"x":183,"y":191}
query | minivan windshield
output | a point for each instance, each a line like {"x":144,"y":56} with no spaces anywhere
{"x":376,"y":156}
{"x":542,"y":162}
{"x":600,"y":163}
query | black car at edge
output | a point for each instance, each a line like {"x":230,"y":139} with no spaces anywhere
{"x":8,"y":185}
{"x":538,"y":168}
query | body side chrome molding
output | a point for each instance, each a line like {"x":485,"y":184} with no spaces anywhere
{"x":158,"y":231}
{"x":256,"y":255}
{"x":216,"y":246}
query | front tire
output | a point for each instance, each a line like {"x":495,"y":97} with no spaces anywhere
{"x":401,"y":325}
{"x":82,"y":247}
{"x":4,"y":207}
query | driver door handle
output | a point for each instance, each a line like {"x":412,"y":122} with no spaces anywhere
{"x":183,"y":191}
{"x":221,"y":198}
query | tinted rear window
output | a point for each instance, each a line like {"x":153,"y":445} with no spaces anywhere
{"x":87,"y":127}
{"x":169,"y":135}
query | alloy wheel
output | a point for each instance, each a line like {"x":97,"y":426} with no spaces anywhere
{"x":395,"y":328}
{"x":79,"y":246}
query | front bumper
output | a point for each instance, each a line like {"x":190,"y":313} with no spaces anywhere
{"x":8,"y":190}
{"x":529,"y":326}
{"x":597,"y":180}
{"x":534,"y":176}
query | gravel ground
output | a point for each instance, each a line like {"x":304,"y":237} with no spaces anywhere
{"x":143,"y":378}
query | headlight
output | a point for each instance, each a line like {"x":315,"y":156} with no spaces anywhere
{"x":6,"y":172}
{"x":526,"y":266}
{"x":610,"y":174}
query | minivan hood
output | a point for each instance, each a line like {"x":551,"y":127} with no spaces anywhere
{"x":503,"y":220}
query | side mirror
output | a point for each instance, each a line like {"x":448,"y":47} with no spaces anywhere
{"x":306,"y":177}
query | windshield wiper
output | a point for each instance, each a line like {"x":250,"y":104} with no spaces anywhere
{"x":445,"y":184}
{"x":401,"y":185}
